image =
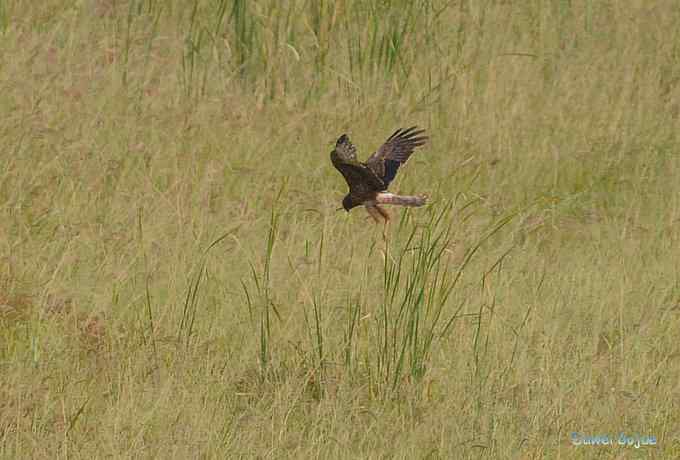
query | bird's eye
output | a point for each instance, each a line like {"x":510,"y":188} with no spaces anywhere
{"x":342,"y":139}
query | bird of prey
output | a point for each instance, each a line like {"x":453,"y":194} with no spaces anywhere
{"x":368,"y":181}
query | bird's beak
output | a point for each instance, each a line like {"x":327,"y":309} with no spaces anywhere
{"x":339,"y":209}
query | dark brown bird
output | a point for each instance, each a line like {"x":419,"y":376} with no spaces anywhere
{"x":368,"y":181}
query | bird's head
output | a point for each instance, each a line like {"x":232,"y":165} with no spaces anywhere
{"x":348,"y":203}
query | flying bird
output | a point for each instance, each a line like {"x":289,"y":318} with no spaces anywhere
{"x":368,"y":181}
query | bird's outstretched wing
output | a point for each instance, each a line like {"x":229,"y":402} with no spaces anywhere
{"x":394,"y":152}
{"x":359,"y":177}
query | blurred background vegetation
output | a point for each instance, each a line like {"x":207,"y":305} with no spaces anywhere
{"x":175,"y":280}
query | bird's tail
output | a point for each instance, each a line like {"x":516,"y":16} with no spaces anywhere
{"x":401,"y":200}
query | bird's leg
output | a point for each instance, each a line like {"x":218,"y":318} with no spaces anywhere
{"x":386,"y":220}
{"x":384,"y":214}
{"x":374,"y":213}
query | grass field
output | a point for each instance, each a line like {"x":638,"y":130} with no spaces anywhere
{"x":176,"y":280}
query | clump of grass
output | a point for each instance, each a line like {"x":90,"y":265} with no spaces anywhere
{"x":416,"y":306}
{"x":405,"y":302}
{"x":260,"y":303}
{"x":271,"y":49}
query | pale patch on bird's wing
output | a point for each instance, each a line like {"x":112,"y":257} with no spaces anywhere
{"x":345,"y":149}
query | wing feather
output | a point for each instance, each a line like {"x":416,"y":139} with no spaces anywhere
{"x":359,"y":177}
{"x":396,"y":150}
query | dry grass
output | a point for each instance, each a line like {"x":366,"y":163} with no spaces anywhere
{"x":176,"y":283}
